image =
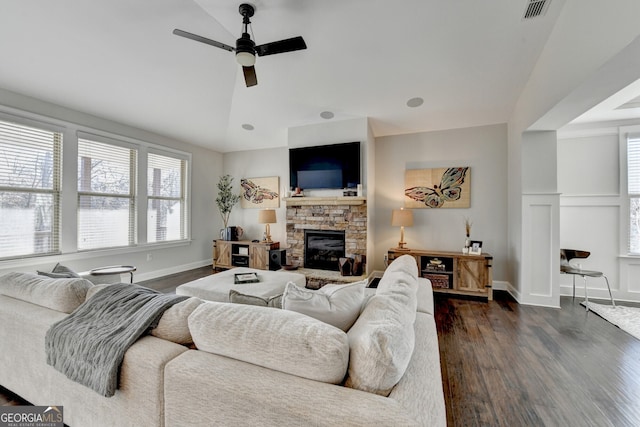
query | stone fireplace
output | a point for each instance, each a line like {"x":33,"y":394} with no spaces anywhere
{"x":346,"y":215}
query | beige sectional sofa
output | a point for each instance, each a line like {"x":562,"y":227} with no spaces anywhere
{"x":248,"y":365}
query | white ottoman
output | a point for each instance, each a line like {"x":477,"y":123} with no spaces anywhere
{"x":217,"y":286}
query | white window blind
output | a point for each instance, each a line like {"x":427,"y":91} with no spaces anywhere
{"x":106,"y":195}
{"x":633,"y":190}
{"x":29,"y":190}
{"x":166,"y":192}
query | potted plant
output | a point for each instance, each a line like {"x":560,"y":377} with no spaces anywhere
{"x":226,"y":197}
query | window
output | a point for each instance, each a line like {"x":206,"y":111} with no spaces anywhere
{"x":633,"y":191}
{"x":29,"y":190}
{"x":166,"y":211}
{"x":106,"y":194}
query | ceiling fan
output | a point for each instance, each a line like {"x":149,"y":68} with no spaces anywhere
{"x":246,"y":48}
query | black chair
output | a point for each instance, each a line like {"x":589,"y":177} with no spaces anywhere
{"x":566,"y":255}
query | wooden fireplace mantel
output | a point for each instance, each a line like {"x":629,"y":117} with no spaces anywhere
{"x":307,"y":201}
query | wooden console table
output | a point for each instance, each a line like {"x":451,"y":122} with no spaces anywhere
{"x":242,"y":253}
{"x":453,"y":272}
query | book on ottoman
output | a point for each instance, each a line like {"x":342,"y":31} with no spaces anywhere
{"x":240,"y":278}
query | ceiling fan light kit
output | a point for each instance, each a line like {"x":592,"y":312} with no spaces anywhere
{"x":246,"y":48}
{"x":246,"y":59}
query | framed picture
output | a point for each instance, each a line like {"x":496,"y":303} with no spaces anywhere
{"x":260,"y":193}
{"x":475,"y":247}
{"x":437,"y":188}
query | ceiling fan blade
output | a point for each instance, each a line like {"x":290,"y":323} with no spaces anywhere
{"x":281,"y":46}
{"x":250,"y":78}
{"x":201,"y":39}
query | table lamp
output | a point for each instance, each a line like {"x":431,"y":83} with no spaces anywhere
{"x":401,"y":218}
{"x":267,"y":216}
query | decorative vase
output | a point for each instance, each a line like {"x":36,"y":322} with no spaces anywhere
{"x":467,"y":243}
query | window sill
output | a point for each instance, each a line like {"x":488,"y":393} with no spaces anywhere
{"x":29,"y":261}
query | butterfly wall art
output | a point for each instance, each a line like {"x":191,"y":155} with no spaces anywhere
{"x":260,"y":192}
{"x":437,"y":188}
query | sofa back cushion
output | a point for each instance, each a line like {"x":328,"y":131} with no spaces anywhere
{"x":63,"y":295}
{"x":281,"y":340}
{"x":336,"y":304}
{"x":174,"y":323}
{"x":382,"y":339}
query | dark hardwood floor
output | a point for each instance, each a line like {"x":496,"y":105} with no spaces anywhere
{"x":505,"y":364}
{"x":169,"y":283}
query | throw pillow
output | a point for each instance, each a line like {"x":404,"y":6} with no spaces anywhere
{"x":336,"y":304}
{"x":382,"y":340}
{"x":400,"y":282}
{"x":59,"y":272}
{"x":381,"y":345}
{"x":281,"y":340}
{"x":59,"y":268}
{"x":240,"y":298}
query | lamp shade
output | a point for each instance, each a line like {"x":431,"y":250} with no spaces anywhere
{"x":267,"y":216}
{"x":402,"y":218}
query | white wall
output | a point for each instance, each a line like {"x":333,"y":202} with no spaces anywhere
{"x":258,"y":164}
{"x":334,"y":132}
{"x":206,"y":167}
{"x":484,"y":149}
{"x":275,"y":162}
{"x":591,"y":53}
{"x":592,"y":210}
{"x":481,"y":148}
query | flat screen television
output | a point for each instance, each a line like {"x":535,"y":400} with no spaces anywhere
{"x":325,"y":166}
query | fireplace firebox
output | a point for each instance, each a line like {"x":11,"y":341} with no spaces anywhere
{"x":323,"y":249}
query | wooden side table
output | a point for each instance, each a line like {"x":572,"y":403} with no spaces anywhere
{"x":114,"y":269}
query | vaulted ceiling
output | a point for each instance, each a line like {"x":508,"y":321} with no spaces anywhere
{"x":118,"y":59}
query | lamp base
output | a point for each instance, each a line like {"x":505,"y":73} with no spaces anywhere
{"x":401,"y":247}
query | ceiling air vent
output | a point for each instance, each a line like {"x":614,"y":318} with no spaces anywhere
{"x":536,"y":8}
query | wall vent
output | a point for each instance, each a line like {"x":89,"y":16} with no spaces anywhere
{"x":536,"y":8}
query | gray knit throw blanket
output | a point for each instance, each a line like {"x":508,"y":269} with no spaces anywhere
{"x":88,"y":346}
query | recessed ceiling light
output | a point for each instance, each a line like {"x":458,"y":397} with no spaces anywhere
{"x":327,"y":115}
{"x":247,"y":126}
{"x":415,"y":102}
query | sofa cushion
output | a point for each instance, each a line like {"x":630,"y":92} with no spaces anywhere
{"x":336,"y":304}
{"x":383,"y":338}
{"x":425,"y":296}
{"x":281,"y":340}
{"x":174,"y":323}
{"x":94,"y":290}
{"x":240,"y":298}
{"x":63,"y":295}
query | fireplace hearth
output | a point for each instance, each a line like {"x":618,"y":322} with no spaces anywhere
{"x":323,"y":249}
